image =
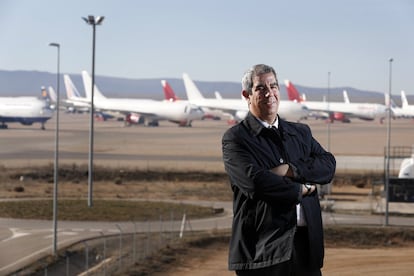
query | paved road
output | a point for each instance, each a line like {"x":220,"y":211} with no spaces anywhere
{"x":26,"y":241}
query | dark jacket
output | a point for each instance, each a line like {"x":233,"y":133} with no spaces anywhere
{"x":264,"y":213}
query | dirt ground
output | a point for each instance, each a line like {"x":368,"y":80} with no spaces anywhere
{"x":344,"y":261}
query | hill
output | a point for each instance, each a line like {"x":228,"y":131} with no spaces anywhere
{"x":28,"y":83}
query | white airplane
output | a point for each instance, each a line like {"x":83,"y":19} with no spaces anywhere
{"x":52,"y":96}
{"x":346,"y":98}
{"x":171,"y":96}
{"x":340,"y":110}
{"x":24,"y":110}
{"x":74,"y":101}
{"x":218,"y":95}
{"x":406,"y":110}
{"x":182,"y":113}
{"x":238,"y":108}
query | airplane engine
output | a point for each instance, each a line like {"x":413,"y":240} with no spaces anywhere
{"x":339,"y":116}
{"x":134,"y":118}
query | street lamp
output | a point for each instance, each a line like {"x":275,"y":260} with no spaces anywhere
{"x":326,"y":189}
{"x":56,"y":168}
{"x":91,"y":20}
{"x":329,"y":112}
{"x":387,"y":169}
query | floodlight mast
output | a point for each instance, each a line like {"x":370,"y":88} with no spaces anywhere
{"x":56,"y":165}
{"x":93,"y":21}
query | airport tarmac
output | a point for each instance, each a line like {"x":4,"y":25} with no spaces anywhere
{"x":359,"y":145}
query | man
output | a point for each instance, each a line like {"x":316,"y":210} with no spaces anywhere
{"x":273,"y":166}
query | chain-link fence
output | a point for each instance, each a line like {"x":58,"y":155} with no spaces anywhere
{"x":111,"y":254}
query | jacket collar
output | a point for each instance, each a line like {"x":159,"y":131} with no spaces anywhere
{"x":255,"y":126}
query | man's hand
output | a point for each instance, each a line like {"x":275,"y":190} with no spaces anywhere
{"x":307,"y":189}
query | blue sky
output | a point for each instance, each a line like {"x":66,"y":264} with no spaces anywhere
{"x":217,"y":40}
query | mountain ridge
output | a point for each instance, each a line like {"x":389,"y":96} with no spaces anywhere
{"x":28,"y":83}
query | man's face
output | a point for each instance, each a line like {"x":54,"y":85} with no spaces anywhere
{"x":265,"y":97}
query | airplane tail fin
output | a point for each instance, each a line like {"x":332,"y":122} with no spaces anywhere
{"x":218,"y":95}
{"x":71,"y":91}
{"x":44,"y":93}
{"x":52,"y":94}
{"x":168,"y":91}
{"x":292,"y":92}
{"x":191,"y":89}
{"x":346,"y":98}
{"x":387,"y":100}
{"x":404,"y":101}
{"x":87,"y":83}
{"x":49,"y":97}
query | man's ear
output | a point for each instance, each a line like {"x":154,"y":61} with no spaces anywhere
{"x":245,"y":95}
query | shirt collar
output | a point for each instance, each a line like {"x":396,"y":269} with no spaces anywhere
{"x":267,"y":125}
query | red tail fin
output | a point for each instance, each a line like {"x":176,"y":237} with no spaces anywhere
{"x":168,"y":92}
{"x":293,"y":93}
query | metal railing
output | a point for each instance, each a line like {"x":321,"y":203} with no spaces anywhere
{"x":110,"y":254}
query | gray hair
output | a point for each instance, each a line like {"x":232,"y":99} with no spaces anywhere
{"x":256,"y":70}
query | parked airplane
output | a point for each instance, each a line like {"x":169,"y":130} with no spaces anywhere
{"x":24,"y":110}
{"x":182,"y":113}
{"x":406,"y":110}
{"x":346,"y":98}
{"x":238,"y":108}
{"x":50,"y":95}
{"x":171,"y":96}
{"x":74,"y":101}
{"x":340,"y":110}
{"x":169,"y":93}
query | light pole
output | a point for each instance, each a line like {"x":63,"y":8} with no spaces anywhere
{"x":329,"y":112}
{"x":326,"y":189}
{"x":91,"y":20}
{"x":56,"y":168}
{"x":387,"y":169}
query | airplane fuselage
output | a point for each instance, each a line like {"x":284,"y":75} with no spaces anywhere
{"x":363,"y":111}
{"x":24,"y":110}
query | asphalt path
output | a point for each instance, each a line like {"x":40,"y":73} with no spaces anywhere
{"x":356,"y":146}
{"x":25,"y":241}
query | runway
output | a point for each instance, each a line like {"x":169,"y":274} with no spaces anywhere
{"x":359,"y":145}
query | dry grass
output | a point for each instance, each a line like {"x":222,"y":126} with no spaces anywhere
{"x":102,"y":210}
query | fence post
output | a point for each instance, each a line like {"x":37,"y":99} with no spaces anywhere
{"x":161,"y":230}
{"x":182,"y":226}
{"x":104,"y":252}
{"x":120,"y":245}
{"x":67,"y":263}
{"x":147,"y":244}
{"x":135,"y":243}
{"x":172,"y":225}
{"x":86,"y":256}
